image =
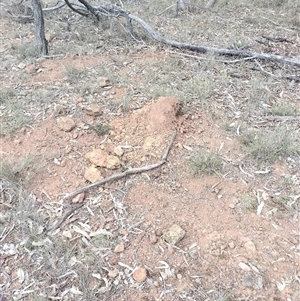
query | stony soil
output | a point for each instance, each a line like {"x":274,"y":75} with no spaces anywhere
{"x":232,"y":246}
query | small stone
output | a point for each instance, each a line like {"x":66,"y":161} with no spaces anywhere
{"x":93,"y":110}
{"x":113,"y":260}
{"x":92,"y":174}
{"x":113,"y":273}
{"x":31,"y":69}
{"x":78,"y":198}
{"x":153,"y":238}
{"x":123,"y":232}
{"x":104,"y":82}
{"x":119,"y":151}
{"x":17,"y":141}
{"x":63,"y":163}
{"x":159,"y":232}
{"x":231,"y":245}
{"x":231,"y":206}
{"x":21,"y":65}
{"x":97,"y":157}
{"x":140,"y":275}
{"x":148,"y":143}
{"x":170,"y":250}
{"x":250,"y":247}
{"x":244,"y":266}
{"x":100,"y":158}
{"x":179,"y":276}
{"x":253,"y":280}
{"x":174,"y":234}
{"x":156,"y":283}
{"x":75,"y":136}
{"x":106,"y":205}
{"x":112,"y":162}
{"x":119,"y":248}
{"x":66,"y":124}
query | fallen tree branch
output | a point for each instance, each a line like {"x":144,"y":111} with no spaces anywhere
{"x":125,"y":173}
{"x":221,"y":51}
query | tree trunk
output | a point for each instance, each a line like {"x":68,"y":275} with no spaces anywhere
{"x":41,"y":42}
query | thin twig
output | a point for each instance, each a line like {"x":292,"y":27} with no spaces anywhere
{"x":221,"y":61}
{"x":57,"y":224}
{"x":125,"y":173}
{"x":166,"y":9}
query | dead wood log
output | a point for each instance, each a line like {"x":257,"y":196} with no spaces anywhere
{"x":115,"y":12}
{"x":219,"y":51}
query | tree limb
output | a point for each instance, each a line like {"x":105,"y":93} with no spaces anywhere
{"x":221,"y":51}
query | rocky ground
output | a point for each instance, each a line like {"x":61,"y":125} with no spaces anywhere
{"x":169,"y":233}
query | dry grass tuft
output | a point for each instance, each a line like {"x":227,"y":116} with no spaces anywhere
{"x":269,"y":146}
{"x":206,"y":164}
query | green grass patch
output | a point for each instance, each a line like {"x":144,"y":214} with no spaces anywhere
{"x":269,"y":146}
{"x":12,"y":116}
{"x":206,"y":164}
{"x":100,"y":129}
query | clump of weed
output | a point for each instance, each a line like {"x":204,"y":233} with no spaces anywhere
{"x":248,"y":202}
{"x":13,"y":118}
{"x":100,"y":129}
{"x":284,"y":110}
{"x":73,"y":74}
{"x":5,"y":95}
{"x":206,"y":164}
{"x":269,"y":146}
{"x":12,"y":115}
{"x":17,"y":173}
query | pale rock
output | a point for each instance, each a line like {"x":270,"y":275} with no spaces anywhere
{"x":113,"y":273}
{"x":78,"y":198}
{"x":140,"y":275}
{"x":106,"y":205}
{"x":100,"y":158}
{"x":113,"y":260}
{"x":97,"y":157}
{"x":119,"y":151}
{"x":250,"y":247}
{"x":174,"y":234}
{"x":104,"y":82}
{"x":112,"y":162}
{"x":148,"y":143}
{"x":66,"y":124}
{"x":252,"y":280}
{"x":93,"y":110}
{"x":153,"y":238}
{"x":231,"y":245}
{"x":31,"y":69}
{"x":119,"y":248}
{"x":92,"y":174}
{"x":21,"y":65}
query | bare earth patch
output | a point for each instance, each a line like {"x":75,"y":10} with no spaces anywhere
{"x":240,"y":222}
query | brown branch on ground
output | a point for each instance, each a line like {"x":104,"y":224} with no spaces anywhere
{"x":58,"y":223}
{"x":219,"y":51}
{"x":125,"y":173}
{"x":128,"y":172}
{"x":116,"y":12}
